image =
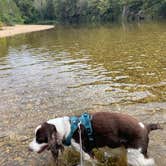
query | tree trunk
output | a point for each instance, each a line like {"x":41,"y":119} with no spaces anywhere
{"x":125,"y":13}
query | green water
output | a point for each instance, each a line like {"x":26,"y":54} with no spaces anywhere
{"x":81,"y":68}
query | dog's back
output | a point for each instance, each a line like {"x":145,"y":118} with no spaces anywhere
{"x":116,"y":124}
{"x":116,"y":129}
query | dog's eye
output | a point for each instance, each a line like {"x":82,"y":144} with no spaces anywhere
{"x":41,"y":137}
{"x":41,"y":140}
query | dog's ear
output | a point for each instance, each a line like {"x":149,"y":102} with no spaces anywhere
{"x":54,"y":142}
{"x":52,"y":135}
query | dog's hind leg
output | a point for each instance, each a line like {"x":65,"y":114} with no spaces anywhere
{"x":136,"y":158}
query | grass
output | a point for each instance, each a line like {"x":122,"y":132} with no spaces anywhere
{"x":117,"y":157}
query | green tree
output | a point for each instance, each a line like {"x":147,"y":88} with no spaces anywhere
{"x":9,"y":12}
{"x":78,"y":11}
{"x":27,"y":9}
{"x":50,"y":10}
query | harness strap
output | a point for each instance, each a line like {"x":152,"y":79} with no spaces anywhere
{"x":74,"y":125}
{"x":85,"y":120}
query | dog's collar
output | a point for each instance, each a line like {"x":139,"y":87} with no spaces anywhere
{"x":85,"y":120}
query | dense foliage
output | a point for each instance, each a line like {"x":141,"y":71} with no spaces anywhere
{"x":78,"y":11}
{"x":9,"y":12}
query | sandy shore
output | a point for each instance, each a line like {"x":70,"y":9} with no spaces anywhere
{"x":19,"y":29}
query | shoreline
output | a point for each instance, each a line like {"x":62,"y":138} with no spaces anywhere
{"x":22,"y":29}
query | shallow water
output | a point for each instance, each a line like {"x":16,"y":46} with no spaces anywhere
{"x":70,"y":70}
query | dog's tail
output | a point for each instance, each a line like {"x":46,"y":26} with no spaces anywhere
{"x":153,"y":126}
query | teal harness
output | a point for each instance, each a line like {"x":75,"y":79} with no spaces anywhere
{"x":85,"y":120}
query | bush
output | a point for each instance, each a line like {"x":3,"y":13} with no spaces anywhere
{"x":9,"y":12}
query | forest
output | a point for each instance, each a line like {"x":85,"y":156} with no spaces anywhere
{"x":79,"y":11}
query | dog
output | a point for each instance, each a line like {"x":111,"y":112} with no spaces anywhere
{"x":109,"y":129}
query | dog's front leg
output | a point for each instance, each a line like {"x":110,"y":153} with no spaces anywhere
{"x":86,"y":156}
{"x":77,"y":147}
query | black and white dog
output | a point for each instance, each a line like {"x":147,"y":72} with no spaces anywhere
{"x":109,"y":129}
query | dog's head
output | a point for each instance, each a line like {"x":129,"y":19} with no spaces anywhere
{"x":46,"y":137}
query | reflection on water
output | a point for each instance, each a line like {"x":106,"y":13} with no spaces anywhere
{"x":74,"y":69}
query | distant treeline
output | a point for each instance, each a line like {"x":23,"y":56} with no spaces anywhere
{"x":80,"y":11}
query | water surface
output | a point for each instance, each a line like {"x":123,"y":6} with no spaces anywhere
{"x":70,"y":70}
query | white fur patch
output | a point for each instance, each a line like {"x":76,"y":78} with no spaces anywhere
{"x":136,"y":158}
{"x":36,"y":147}
{"x":141,"y":125}
{"x":140,"y":150}
{"x":62,"y":125}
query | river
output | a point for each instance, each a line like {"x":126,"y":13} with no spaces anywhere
{"x":72,"y":69}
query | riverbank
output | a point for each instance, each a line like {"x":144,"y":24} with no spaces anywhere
{"x":20,"y":29}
